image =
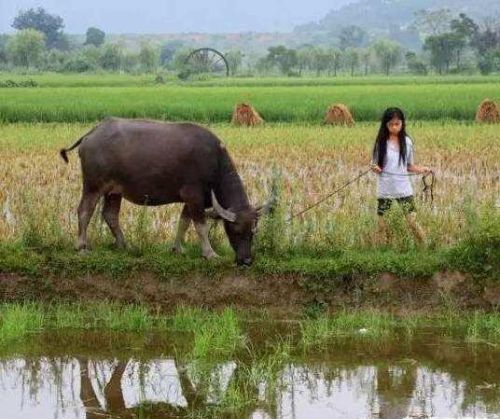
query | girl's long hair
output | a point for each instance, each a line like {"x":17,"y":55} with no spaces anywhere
{"x":380,"y":147}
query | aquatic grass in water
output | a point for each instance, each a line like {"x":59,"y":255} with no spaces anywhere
{"x":18,"y":320}
{"x":318,"y":332}
{"x":483,"y":327}
{"x":219,"y":335}
{"x":188,"y":319}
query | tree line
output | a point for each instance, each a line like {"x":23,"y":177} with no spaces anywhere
{"x":449,"y":45}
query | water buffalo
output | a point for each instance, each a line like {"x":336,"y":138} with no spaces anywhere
{"x":156,"y":163}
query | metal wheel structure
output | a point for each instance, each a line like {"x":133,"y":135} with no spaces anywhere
{"x":206,"y":60}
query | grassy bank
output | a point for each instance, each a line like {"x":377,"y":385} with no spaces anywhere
{"x":475,"y":254}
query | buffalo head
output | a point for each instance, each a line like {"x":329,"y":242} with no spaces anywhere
{"x":240,"y":226}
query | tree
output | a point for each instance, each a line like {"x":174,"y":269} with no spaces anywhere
{"x":179,"y":61}
{"x":486,"y":40}
{"x":432,"y":22}
{"x":388,"y":54}
{"x":50,"y":25}
{"x":335,"y":60}
{"x":94,"y":37}
{"x":130,"y":61}
{"x":464,"y":26}
{"x":168,"y":50}
{"x":56,"y":60}
{"x":352,"y":37}
{"x":320,"y":60}
{"x":351,"y":58}
{"x":234,"y":59}
{"x":148,"y":56}
{"x":4,"y":39}
{"x":91,"y":55}
{"x":489,"y":62}
{"x":305,"y":57}
{"x":26,"y":47}
{"x":442,"y":49}
{"x":285,"y":59}
{"x":365,"y":55}
{"x":78,"y":63}
{"x":465,"y":29}
{"x":414,"y":64}
{"x":111,"y":57}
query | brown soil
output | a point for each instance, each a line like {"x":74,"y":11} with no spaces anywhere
{"x":284,"y":296}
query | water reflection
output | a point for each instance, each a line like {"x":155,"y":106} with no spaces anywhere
{"x":349,"y":380}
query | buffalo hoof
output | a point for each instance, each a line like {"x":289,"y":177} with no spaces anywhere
{"x":211,"y":256}
{"x":245,"y":262}
{"x":179,"y":250}
{"x":121,"y":246}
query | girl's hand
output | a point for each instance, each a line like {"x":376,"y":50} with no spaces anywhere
{"x":425,"y":170}
{"x":376,"y":169}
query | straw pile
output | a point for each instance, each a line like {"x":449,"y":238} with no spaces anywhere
{"x":488,"y":111}
{"x":245,"y":114}
{"x":339,"y":114}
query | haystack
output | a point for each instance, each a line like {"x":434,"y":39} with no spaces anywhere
{"x":245,"y":114}
{"x":488,"y":111}
{"x":339,"y":114}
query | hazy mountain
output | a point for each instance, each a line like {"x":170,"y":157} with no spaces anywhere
{"x":387,"y":15}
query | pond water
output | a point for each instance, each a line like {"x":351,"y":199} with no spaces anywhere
{"x":92,"y":375}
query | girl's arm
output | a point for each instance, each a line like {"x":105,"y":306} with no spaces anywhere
{"x":420,"y":170}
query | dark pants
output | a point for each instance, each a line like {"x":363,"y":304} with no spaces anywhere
{"x":407,"y":204}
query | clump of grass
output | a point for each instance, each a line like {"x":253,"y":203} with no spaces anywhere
{"x":272,"y":230}
{"x":127,"y":318}
{"x":219,"y":335}
{"x":316,"y":333}
{"x":479,"y":250}
{"x":483,"y":327}
{"x":188,"y":319}
{"x":19,"y":320}
{"x":261,"y":371}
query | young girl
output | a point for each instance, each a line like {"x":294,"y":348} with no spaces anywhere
{"x":393,"y":161}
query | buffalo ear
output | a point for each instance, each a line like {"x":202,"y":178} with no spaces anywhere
{"x":227,"y":215}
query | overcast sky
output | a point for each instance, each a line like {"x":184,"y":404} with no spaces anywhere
{"x":167,"y":16}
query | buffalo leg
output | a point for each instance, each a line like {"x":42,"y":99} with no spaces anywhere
{"x":194,"y":200}
{"x":184,"y":222}
{"x":110,"y":213}
{"x":202,"y":231}
{"x":85,"y":211}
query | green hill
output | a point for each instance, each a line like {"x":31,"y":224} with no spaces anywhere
{"x":394,"y":17}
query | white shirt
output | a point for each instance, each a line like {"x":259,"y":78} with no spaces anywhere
{"x":393,"y":182}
